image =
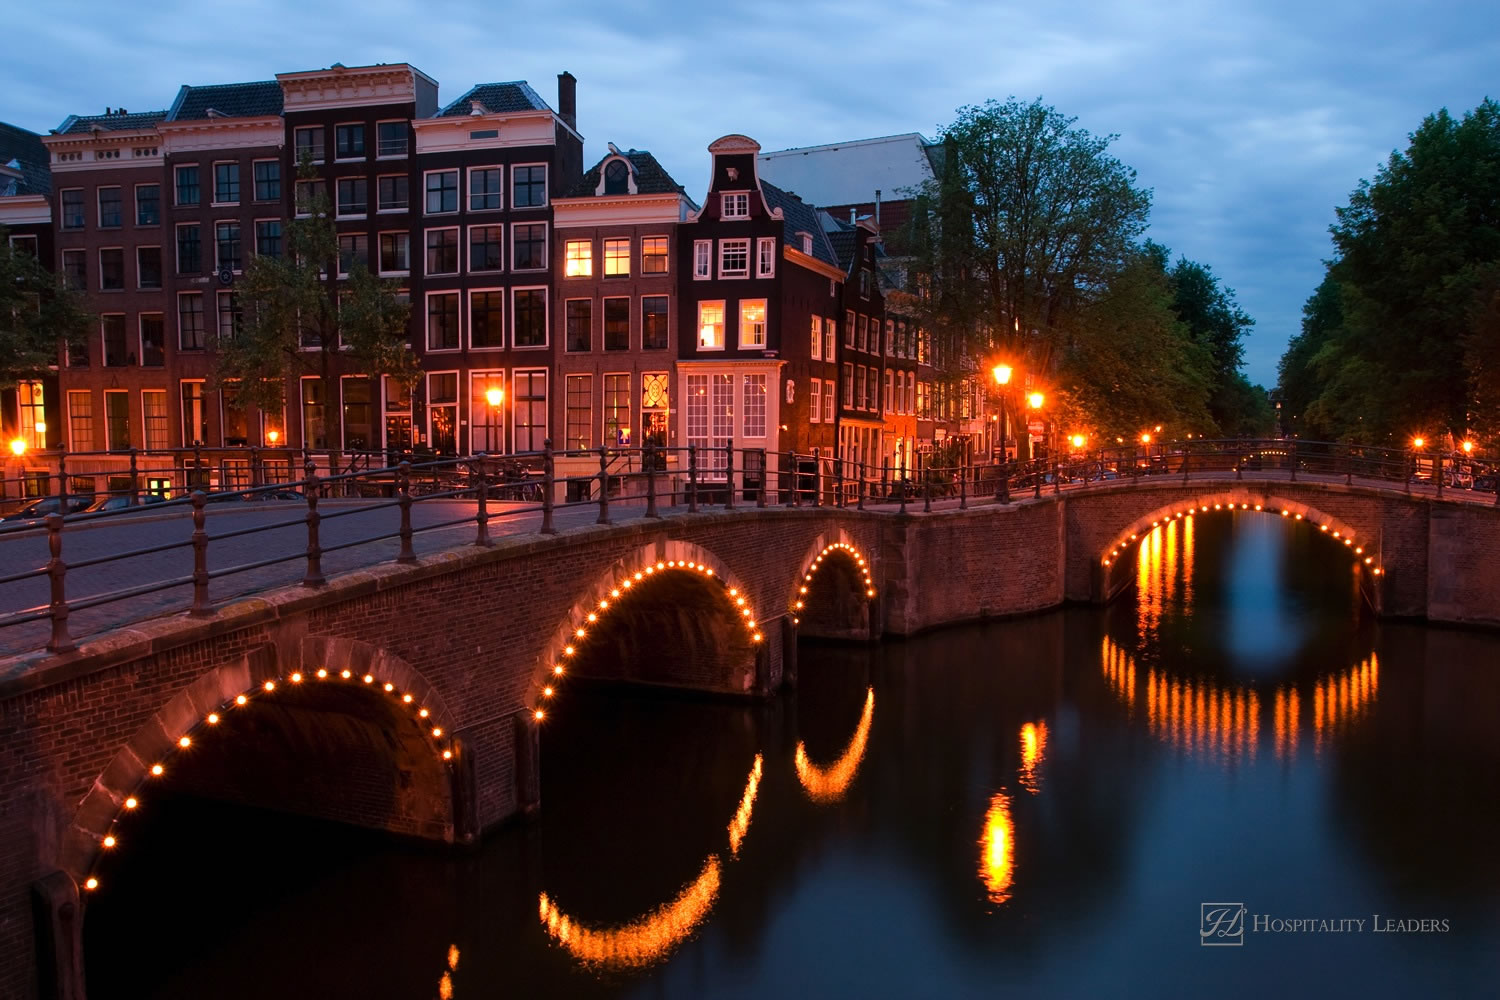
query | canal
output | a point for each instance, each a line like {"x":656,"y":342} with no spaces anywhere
{"x":1043,"y":805}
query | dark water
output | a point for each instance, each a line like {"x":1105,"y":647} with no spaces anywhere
{"x":1037,"y":807}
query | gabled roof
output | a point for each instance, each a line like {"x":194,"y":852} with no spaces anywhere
{"x":228,"y":100}
{"x":650,"y":177}
{"x":496,"y":98}
{"x":849,"y":173}
{"x":22,"y":150}
{"x":84,"y":124}
{"x":799,"y":217}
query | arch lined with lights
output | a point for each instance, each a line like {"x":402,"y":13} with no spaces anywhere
{"x":197,"y":711}
{"x":820,"y":552}
{"x":1333,"y":527}
{"x":619,"y":584}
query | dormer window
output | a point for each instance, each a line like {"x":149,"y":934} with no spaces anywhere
{"x":735,"y":205}
{"x":616,"y":177}
{"x":807,"y":243}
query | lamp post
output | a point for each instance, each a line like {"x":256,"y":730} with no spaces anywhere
{"x":1034,"y":402}
{"x":1002,"y":374}
{"x":495,"y":398}
{"x":18,"y":447}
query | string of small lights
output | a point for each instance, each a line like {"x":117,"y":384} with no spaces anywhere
{"x":621,"y":589}
{"x":860,"y":562}
{"x":442,"y":744}
{"x":1343,"y":534}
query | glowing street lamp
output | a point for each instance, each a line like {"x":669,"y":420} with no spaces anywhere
{"x":1035,"y":400}
{"x":1002,"y":374}
{"x":495,"y":397}
{"x":1468,"y":447}
{"x":1418,"y":442}
{"x":1146,"y":438}
{"x":273,"y":435}
{"x":18,"y":447}
{"x":1078,"y":441}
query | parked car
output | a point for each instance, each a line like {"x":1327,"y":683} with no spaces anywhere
{"x":118,"y":502}
{"x":39,"y":508}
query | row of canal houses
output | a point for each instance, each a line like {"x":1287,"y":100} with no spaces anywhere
{"x":609,"y":305}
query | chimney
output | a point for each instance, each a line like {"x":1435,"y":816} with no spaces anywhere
{"x":567,"y":98}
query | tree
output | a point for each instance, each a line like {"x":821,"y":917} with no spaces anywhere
{"x":1214,"y":320}
{"x":297,"y":317}
{"x":39,"y":314}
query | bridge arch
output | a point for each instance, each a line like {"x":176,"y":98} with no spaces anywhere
{"x":703,"y":602}
{"x":396,"y":712}
{"x":1362,"y":553}
{"x":845,"y":607}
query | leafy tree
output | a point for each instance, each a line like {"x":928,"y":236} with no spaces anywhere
{"x":38,"y":315}
{"x":1214,"y":320}
{"x":297,"y":317}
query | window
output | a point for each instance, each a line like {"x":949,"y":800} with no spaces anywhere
{"x":231,"y":318}
{"x":267,"y":180}
{"x":617,"y":258}
{"x":147,"y":204}
{"x":354,"y":197}
{"x":187,"y":185}
{"x":529,"y":319}
{"x":765,"y":257}
{"x":722,"y":426}
{"x":268,"y":237}
{"x":111,"y":270}
{"x":817,"y":338}
{"x":528,"y":187}
{"x":148,"y":267}
{"x":860,"y":337}
{"x":442,"y":321}
{"x":112,"y":329}
{"x":654,"y":255}
{"x":890,"y":337}
{"x":486,"y":309}
{"x":72,"y":208}
{"x":190,"y":321}
{"x":397,"y":414}
{"x":109,"y":208}
{"x":194,"y":414}
{"x":815,"y":401}
{"x":395,"y":253}
{"x":848,"y":386}
{"x":580,"y":427}
{"x":656,"y":403}
{"x":442,"y":412}
{"x":310,"y":195}
{"x":484,"y":189}
{"x":358,"y":424}
{"x":349,"y":142}
{"x":859,"y":387}
{"x":153,"y":340}
{"x":752,"y":323}
{"x":654,"y":329}
{"x":697,"y":411}
{"x":154,"y":410}
{"x":579,"y":320}
{"x":390,"y":138}
{"x":754,"y":413}
{"x":848,"y":327}
{"x":617,"y":410}
{"x":530,"y":409}
{"x":76,"y":269}
{"x":734,"y":258}
{"x":226,"y":183}
{"x":616,"y":178}
{"x":486,"y":419}
{"x":736,"y":205}
{"x":80,"y":420}
{"x":308,"y":144}
{"x":617,"y":324}
{"x":314,"y":413}
{"x":24,"y":245}
{"x":888,"y":396}
{"x":828,"y":401}
{"x":578,"y":258}
{"x":189,"y":249}
{"x":864,"y":283}
{"x":442,"y":191}
{"x":807,"y":243}
{"x":353,"y":247}
{"x":392,"y":192}
{"x":442,"y":251}
{"x":703,"y":251}
{"x":227,"y":245}
{"x":529,"y":251}
{"x":711,"y":326}
{"x":486,"y":248}
{"x":117,"y":419}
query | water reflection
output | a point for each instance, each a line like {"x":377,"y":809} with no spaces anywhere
{"x":1033,"y":752}
{"x":829,"y":784}
{"x":997,"y":864}
{"x":741,"y":822}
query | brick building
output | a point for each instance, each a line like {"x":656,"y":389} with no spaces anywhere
{"x":30,"y":412}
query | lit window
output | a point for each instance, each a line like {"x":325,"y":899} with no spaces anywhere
{"x":817,"y":338}
{"x":616,"y":258}
{"x":755,"y":406}
{"x":711,"y":326}
{"x":579,"y":259}
{"x":752,"y":323}
{"x":736,"y":206}
{"x":654,"y":255}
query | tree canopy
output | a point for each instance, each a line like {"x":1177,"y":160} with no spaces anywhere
{"x":1402,"y":337}
{"x":38,"y":315}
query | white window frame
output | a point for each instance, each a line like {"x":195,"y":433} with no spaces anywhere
{"x":568,"y":260}
{"x":99,"y":260}
{"x":546,"y":318}
{"x":394,"y":211}
{"x":469,"y":192}
{"x":830,"y":339}
{"x":296,"y":154}
{"x":256,"y":236}
{"x":163,"y":266}
{"x":225,"y":222}
{"x":724,"y":245}
{"x":666,"y":257}
{"x":379,"y":262}
{"x":746,"y":381}
{"x":815,"y":401}
{"x":889,"y":381}
{"x":735,"y":200}
{"x":487,"y":377}
{"x":846,"y":376}
{"x":630,"y":409}
{"x":458,"y":256}
{"x":99,"y":205}
{"x":167,"y":416}
{"x":723,"y":324}
{"x":468,"y":324}
{"x":458,"y":341}
{"x":765,"y":323}
{"x":458,"y":406}
{"x":137,"y":205}
{"x":62,"y":216}
{"x":817,"y":339}
{"x":546,"y":186}
{"x":392,"y":156}
{"x":343,"y":273}
{"x":579,"y":298}
{"x":93,"y":423}
{"x":765,"y":257}
{"x":515,"y":374}
{"x":546,"y":246}
{"x":347,"y":159}
{"x":458,"y":199}
{"x":338,"y":203}
{"x":604,"y":256}
{"x":703,"y":260}
{"x":140,"y":338}
{"x":829,"y":399}
{"x":214,"y":201}
{"x":467,"y":250}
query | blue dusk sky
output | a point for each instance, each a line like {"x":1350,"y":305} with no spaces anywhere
{"x":1250,"y":121}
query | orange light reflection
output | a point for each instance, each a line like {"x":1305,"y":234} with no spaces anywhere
{"x":829,"y":784}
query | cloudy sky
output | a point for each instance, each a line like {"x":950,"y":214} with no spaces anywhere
{"x":1249,"y":121}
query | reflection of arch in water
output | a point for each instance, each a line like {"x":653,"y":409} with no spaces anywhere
{"x":650,"y":938}
{"x":997,"y":865}
{"x":1203,"y":717}
{"x":829,"y":784}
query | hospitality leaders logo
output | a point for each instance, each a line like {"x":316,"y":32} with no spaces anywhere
{"x":1221,"y":924}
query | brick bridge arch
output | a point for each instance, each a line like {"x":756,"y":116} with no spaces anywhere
{"x":408,"y":718}
{"x":833,"y":595}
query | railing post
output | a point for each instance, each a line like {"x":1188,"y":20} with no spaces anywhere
{"x":817,"y":477}
{"x":200,"y":608}
{"x":1294,"y":459}
{"x":1409,"y":469}
{"x":603,"y":486}
{"x":1037,"y":480}
{"x":135,"y":479}
{"x":791,"y":464}
{"x":692,"y":489}
{"x":765,"y":480}
{"x":1348,"y":466}
{"x":963,"y":488}
{"x":1187,"y":457}
{"x":1056,"y":478}
{"x":57,"y":571}
{"x":885,"y":479}
{"x":407,"y":555}
{"x":1437,"y":472}
{"x":255,"y":479}
{"x":197,"y":468}
{"x":314,"y":575}
{"x":860,"y":485}
{"x":1002,"y":482}
{"x":729,"y":475}
{"x":650,"y":454}
{"x":482,"y":516}
{"x":549,"y":480}
{"x":838,"y":482}
{"x":927,"y":489}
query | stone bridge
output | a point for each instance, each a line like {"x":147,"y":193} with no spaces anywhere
{"x":409,"y":698}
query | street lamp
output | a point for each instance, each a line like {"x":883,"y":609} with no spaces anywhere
{"x":1468,"y":447}
{"x":1418,"y":442}
{"x":1078,"y":441}
{"x":272,"y":436}
{"x":1146,"y":438}
{"x":18,"y":447}
{"x":495,"y":397}
{"x":1002,"y":374}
